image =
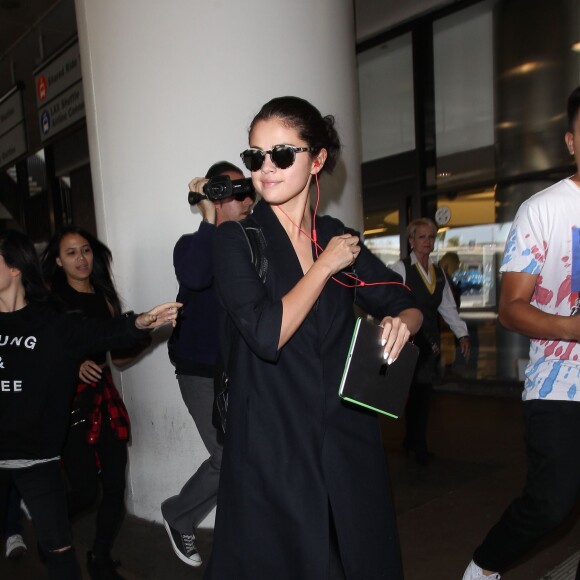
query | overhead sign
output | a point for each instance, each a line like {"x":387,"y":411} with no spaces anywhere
{"x":12,"y":128}
{"x":59,"y":92}
{"x":62,"y":111}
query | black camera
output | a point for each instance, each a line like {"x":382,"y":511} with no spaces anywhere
{"x":222,"y":187}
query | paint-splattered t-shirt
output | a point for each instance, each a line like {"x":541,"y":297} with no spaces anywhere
{"x":545,"y":240}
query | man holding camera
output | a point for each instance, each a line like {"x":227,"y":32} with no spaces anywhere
{"x":194,"y":345}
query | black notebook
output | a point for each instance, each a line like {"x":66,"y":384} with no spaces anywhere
{"x":368,"y":380}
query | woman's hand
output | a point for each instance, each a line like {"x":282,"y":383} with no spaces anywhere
{"x":158,"y":316}
{"x":395,"y":335}
{"x":397,"y":331}
{"x":90,"y":371}
{"x":465,"y":346}
{"x":340,"y":253}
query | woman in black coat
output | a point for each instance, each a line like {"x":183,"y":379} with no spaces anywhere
{"x":300,"y":467}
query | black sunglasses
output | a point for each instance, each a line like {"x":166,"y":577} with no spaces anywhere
{"x":241,"y":196}
{"x":282,"y":156}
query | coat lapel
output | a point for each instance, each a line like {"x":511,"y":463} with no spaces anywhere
{"x":279,"y":249}
{"x":283,"y":259}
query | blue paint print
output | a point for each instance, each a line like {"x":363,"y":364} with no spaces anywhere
{"x":532,"y":268}
{"x":572,"y":392}
{"x":548,"y":384}
{"x":575,"y":259}
{"x":510,"y":247}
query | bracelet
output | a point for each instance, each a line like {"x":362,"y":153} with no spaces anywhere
{"x":464,"y":338}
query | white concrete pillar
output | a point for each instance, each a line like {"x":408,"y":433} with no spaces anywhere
{"x":171,"y":87}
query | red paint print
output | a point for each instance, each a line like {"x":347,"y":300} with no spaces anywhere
{"x":543,"y":295}
{"x":555,"y":348}
{"x":564,"y":291}
{"x":539,"y":255}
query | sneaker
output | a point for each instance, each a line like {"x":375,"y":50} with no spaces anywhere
{"x":183,"y":546}
{"x":474,"y":572}
{"x":103,"y":568}
{"x":15,"y":546}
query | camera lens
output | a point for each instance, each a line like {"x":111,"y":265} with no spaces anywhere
{"x":194,"y":198}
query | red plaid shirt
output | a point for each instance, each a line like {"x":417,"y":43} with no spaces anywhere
{"x":105,"y":390}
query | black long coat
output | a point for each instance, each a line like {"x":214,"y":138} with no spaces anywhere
{"x":293,"y":449}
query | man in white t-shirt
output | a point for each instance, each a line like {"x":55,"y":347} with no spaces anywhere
{"x":540,"y":298}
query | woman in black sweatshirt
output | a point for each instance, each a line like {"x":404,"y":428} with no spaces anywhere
{"x":39,"y":352}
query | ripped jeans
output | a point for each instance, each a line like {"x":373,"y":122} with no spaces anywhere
{"x":42,"y":488}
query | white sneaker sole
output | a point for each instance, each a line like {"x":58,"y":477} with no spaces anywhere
{"x":195,"y":561}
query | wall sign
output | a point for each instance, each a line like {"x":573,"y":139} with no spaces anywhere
{"x":59,"y":92}
{"x":12,"y":128}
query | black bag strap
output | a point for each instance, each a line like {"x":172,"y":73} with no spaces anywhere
{"x":257,"y":243}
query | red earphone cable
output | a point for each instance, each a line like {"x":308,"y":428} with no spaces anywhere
{"x":314,"y":239}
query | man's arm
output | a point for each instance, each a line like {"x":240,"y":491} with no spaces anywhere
{"x":449,"y":312}
{"x":192,"y":258}
{"x":517,"y":314}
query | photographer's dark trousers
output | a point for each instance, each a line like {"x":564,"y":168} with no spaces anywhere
{"x":552,"y":486}
{"x":42,"y":489}
{"x":83,"y":477}
{"x":198,"y":495}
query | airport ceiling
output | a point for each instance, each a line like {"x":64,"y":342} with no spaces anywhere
{"x":31,"y":30}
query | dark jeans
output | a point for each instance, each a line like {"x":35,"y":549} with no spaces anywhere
{"x":552,"y":486}
{"x":42,"y":488}
{"x":83,"y":478}
{"x":13,"y":513}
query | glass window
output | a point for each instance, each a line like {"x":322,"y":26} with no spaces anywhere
{"x":464,"y":112}
{"x":386,"y":99}
{"x":480,"y":249}
{"x":387,"y":248}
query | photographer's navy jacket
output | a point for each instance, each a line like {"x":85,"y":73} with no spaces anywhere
{"x":196,"y":337}
{"x":40,"y":350}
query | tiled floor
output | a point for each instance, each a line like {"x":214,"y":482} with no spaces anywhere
{"x":444,"y":509}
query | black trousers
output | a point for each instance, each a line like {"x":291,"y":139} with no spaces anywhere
{"x":552,"y":486}
{"x":416,"y":417}
{"x":84,"y":478}
{"x":42,"y":488}
{"x":419,"y":403}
